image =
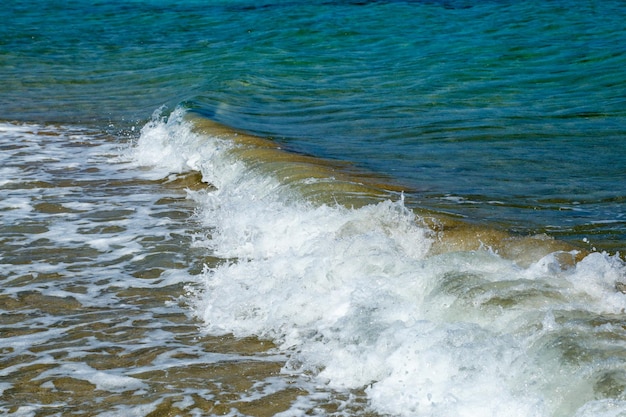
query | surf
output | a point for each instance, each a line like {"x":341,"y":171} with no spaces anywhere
{"x":293,"y":176}
{"x":423,"y":313}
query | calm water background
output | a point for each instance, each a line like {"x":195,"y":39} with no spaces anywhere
{"x":506,"y":114}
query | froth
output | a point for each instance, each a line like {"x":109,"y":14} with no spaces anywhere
{"x":91,"y":269}
{"x":358,"y":298}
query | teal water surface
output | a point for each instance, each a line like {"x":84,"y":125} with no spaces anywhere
{"x":506,"y":112}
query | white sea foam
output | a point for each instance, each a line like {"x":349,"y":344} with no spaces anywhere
{"x":107,"y":381}
{"x":352,"y":296}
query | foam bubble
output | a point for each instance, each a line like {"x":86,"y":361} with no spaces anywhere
{"x":16,"y":203}
{"x":107,"y":381}
{"x":602,"y":408}
{"x":168,"y":145}
{"x":595,"y":279}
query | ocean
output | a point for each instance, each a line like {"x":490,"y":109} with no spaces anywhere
{"x":313,"y":208}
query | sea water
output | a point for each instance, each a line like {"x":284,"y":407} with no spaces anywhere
{"x":405,"y":208}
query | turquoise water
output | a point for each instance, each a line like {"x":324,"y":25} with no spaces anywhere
{"x":510,"y":112}
{"x":343,"y":208}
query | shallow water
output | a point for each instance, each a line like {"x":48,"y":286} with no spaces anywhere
{"x":96,"y":256}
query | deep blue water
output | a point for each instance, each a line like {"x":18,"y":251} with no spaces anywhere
{"x":503,"y":112}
